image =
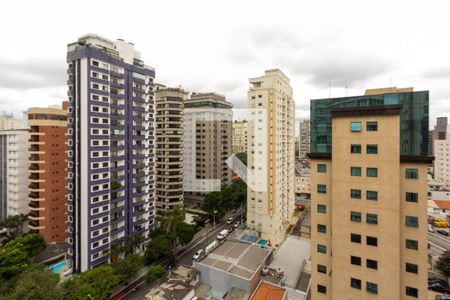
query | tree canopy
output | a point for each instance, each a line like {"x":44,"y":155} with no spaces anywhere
{"x":443,"y":263}
{"x":155,"y":272}
{"x":128,"y":267}
{"x":157,"y":248}
{"x":37,"y":285}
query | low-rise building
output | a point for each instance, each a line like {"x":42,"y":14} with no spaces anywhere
{"x":302,"y":185}
{"x":266,"y":291}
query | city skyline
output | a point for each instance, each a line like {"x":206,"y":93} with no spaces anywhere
{"x":312,"y":52}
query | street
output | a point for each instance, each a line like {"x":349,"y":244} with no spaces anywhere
{"x":438,"y":243}
{"x":185,"y":256}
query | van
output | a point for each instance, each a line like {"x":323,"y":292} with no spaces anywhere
{"x":223,"y":234}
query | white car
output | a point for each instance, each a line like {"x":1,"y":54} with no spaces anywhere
{"x":199,"y":254}
{"x":223,"y":234}
{"x":430,"y":228}
{"x":229,"y":221}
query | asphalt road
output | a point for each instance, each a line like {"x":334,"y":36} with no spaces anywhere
{"x":438,"y":242}
{"x":184,"y":257}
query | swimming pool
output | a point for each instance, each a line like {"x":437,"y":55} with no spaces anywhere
{"x":249,"y":238}
{"x":263,"y":242}
{"x":56,"y":268}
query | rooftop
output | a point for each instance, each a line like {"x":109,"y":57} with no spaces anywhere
{"x":442,"y":204}
{"x":238,"y":258}
{"x":267,"y":291}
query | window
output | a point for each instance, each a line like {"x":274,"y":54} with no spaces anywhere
{"x":355,"y":216}
{"x":372,"y":126}
{"x":321,"y":269}
{"x":412,"y":197}
{"x":372,"y":195}
{"x":413,"y":292}
{"x":355,"y":283}
{"x":321,"y":248}
{"x":321,"y":208}
{"x":412,"y":244}
{"x":321,"y":168}
{"x":321,"y":289}
{"x":355,"y":126}
{"x":371,"y":264}
{"x":355,"y":260}
{"x":356,"y":194}
{"x":372,"y":172}
{"x":371,"y":241}
{"x":412,"y":268}
{"x":355,"y":238}
{"x":355,"y":171}
{"x":371,"y":287}
{"x":321,"y":228}
{"x":412,"y":174}
{"x":412,"y":221}
{"x":322,"y":188}
{"x":372,"y":218}
{"x":355,"y":148}
{"x":372,"y":149}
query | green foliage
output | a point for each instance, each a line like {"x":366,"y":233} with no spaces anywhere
{"x":96,"y":283}
{"x":128,"y":267}
{"x":32,"y":244}
{"x":13,"y":262}
{"x":14,"y":225}
{"x":443,"y":264}
{"x":157,"y":248}
{"x":171,"y":220}
{"x":37,"y":285}
{"x":155,"y":272}
{"x":185,"y":233}
{"x":115,"y":185}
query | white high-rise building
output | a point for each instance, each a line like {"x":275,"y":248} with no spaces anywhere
{"x":442,"y":161}
{"x":8,"y":122}
{"x":14,"y":172}
{"x":271,"y":154}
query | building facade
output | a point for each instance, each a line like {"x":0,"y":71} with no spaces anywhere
{"x":369,"y":196}
{"x":271,"y":154}
{"x":110,"y":148}
{"x":304,"y":139}
{"x":239,"y":137}
{"x":439,"y":132}
{"x":442,"y":161}
{"x":48,"y":172}
{"x":8,"y":122}
{"x":207,"y":144}
{"x":14,"y":172}
{"x":169,"y":147}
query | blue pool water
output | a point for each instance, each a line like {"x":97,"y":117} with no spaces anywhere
{"x":59,"y":266}
{"x":262,"y":242}
{"x":249,"y":238}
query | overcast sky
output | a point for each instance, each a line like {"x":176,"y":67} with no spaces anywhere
{"x":218,"y":45}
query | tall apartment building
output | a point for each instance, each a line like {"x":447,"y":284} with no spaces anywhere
{"x":369,"y":157}
{"x":439,"y":132}
{"x":13,"y":172}
{"x":271,"y":154}
{"x":110,"y":142}
{"x":239,"y":136}
{"x":169,"y":146}
{"x":8,"y":122}
{"x":207,"y":144}
{"x":304,"y":139}
{"x":48,"y":172}
{"x":442,"y":161}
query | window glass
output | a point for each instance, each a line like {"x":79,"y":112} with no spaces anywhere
{"x":321,"y":249}
{"x":372,"y":195}
{"x":321,"y":289}
{"x":356,"y":194}
{"x":355,"y":171}
{"x":355,"y":260}
{"x":321,"y":168}
{"x":412,"y":197}
{"x":355,"y":216}
{"x":355,"y":126}
{"x":412,"y":221}
{"x":372,"y":264}
{"x":372,"y":149}
{"x":321,"y":208}
{"x":321,"y":269}
{"x":355,"y":148}
{"x":321,"y":228}
{"x":371,"y":287}
{"x":412,"y":268}
{"x":355,"y":283}
{"x":322,"y":188}
{"x":413,"y":292}
{"x":355,"y":238}
{"x":372,"y":218}
{"x":412,"y":174}
{"x":412,"y":244}
{"x":371,"y":241}
{"x":372,"y":172}
{"x":372,"y":126}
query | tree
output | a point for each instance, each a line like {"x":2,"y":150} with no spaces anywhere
{"x":37,"y":285}
{"x":213,"y":202}
{"x":185,"y":233}
{"x":96,"y":283}
{"x":14,"y":225}
{"x":32,"y":244}
{"x":172,"y":219}
{"x":13,"y":262}
{"x":157,"y":248}
{"x":443,"y":263}
{"x":155,"y":272}
{"x":128,"y":267}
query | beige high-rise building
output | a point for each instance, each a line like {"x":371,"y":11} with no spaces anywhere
{"x":271,"y":155}
{"x":239,"y":137}
{"x":8,"y":122}
{"x":169,"y":146}
{"x":369,"y":196}
{"x":304,"y":139}
{"x":208,"y":143}
{"x":442,"y":161}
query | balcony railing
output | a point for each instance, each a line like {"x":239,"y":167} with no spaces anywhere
{"x":34,"y":186}
{"x":34,"y":195}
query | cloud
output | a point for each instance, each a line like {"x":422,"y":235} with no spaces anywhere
{"x":31,"y":74}
{"x":437,"y":73}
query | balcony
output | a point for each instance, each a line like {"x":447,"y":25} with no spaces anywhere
{"x":34,"y":177}
{"x":34,"y":148}
{"x":34,"y":157}
{"x":34,"y":186}
{"x":34,"y":205}
{"x":34,"y":225}
{"x":34,"y":167}
{"x":33,"y":195}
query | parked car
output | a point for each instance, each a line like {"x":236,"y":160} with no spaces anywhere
{"x":199,"y":255}
{"x":223,"y":234}
{"x":229,"y":221}
{"x":237,"y":224}
{"x":437,"y":280}
{"x":430,"y":228}
{"x":443,"y":232}
{"x":439,"y":288}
